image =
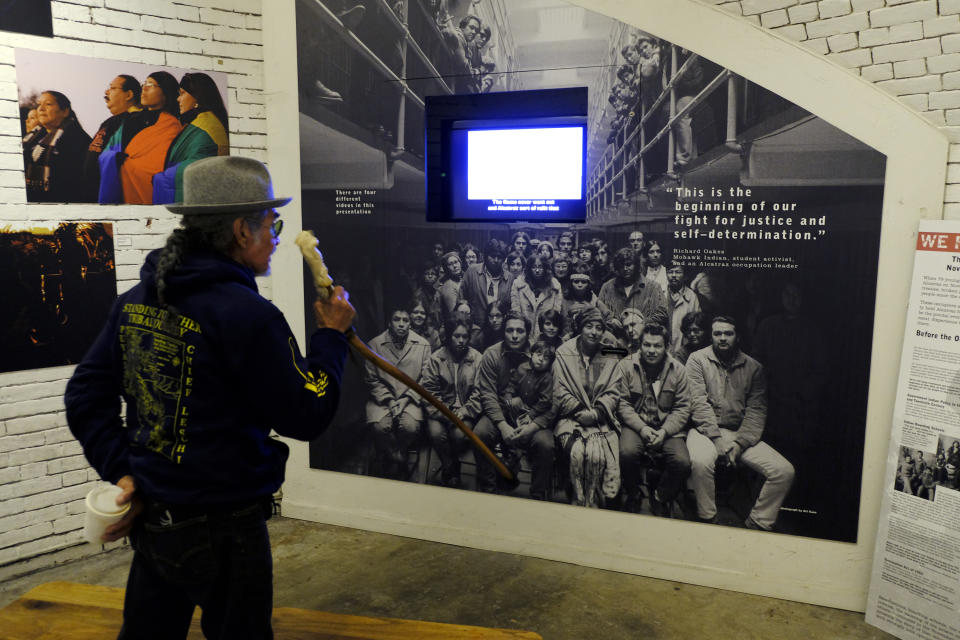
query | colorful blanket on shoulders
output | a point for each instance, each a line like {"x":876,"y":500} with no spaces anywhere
{"x":126,"y":170}
{"x":204,"y":137}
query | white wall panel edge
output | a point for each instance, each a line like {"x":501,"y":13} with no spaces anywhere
{"x":283,"y":155}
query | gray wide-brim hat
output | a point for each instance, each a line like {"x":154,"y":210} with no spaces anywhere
{"x":226,"y":184}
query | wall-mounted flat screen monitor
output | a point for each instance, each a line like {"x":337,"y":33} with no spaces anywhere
{"x":509,"y":156}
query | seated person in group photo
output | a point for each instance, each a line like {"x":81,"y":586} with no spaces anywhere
{"x":928,"y":486}
{"x":729,"y":392}
{"x":393,"y":411}
{"x":681,"y":300}
{"x":655,"y":272}
{"x":450,"y":285}
{"x":579,"y":295}
{"x":561,"y":270}
{"x":552,"y":328}
{"x":630,"y":289}
{"x":531,"y":402}
{"x":499,"y":372}
{"x":950,"y":478}
{"x":908,"y":480}
{"x":487,"y":283}
{"x":420,"y":323}
{"x":585,"y":388}
{"x":953,"y":454}
{"x":631,"y":325}
{"x":695,"y":335}
{"x":654,"y":408}
{"x":450,"y":374}
{"x":536,"y":291}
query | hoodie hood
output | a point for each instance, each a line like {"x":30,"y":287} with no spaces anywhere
{"x":196,"y":271}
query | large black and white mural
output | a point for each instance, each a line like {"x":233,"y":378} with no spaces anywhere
{"x":698,"y":349}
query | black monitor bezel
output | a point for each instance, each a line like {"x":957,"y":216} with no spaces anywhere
{"x":514,"y":109}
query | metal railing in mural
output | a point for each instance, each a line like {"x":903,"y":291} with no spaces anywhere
{"x":375,"y":73}
{"x":386,"y":63}
{"x":625,"y":168}
{"x":372,"y":64}
{"x":641,"y":155}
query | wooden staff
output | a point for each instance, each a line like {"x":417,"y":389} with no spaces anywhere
{"x":307,"y":243}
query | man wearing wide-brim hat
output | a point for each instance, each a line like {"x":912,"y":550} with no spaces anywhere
{"x":208,"y":368}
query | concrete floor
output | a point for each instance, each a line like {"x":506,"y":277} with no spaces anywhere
{"x":362,"y":573}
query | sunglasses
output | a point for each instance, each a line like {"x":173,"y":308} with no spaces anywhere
{"x":276,"y":227}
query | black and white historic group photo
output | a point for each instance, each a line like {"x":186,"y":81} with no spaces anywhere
{"x":603,"y":371}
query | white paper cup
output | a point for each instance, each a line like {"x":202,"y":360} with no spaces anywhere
{"x":102,"y":511}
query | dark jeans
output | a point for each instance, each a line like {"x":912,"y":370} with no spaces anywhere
{"x":539,"y":451}
{"x":219,"y":561}
{"x":449,"y":442}
{"x":673,"y":456}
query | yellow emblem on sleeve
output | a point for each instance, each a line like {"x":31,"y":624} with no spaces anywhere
{"x":314,"y":383}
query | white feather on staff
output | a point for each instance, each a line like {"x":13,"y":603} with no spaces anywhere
{"x":307,"y":243}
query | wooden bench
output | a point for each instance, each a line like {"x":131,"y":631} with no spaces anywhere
{"x":71,"y":611}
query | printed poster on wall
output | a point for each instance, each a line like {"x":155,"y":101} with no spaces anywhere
{"x":58,"y":285}
{"x":114,"y":132}
{"x":749,"y":235}
{"x":27,"y":16}
{"x":915,"y":585}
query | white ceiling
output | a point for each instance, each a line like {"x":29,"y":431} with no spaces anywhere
{"x":557,"y":44}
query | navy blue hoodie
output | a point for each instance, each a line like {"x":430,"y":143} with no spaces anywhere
{"x":204,"y":389}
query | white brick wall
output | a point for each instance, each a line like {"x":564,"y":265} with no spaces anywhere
{"x":909,"y":48}
{"x":773,"y":19}
{"x":834,"y":8}
{"x":43,"y":474}
{"x":832,"y":26}
{"x":843,"y":42}
{"x":910,"y":69}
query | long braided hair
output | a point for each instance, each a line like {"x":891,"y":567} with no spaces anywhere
{"x":212,"y":232}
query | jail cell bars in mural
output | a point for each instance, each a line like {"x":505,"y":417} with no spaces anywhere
{"x":58,"y":286}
